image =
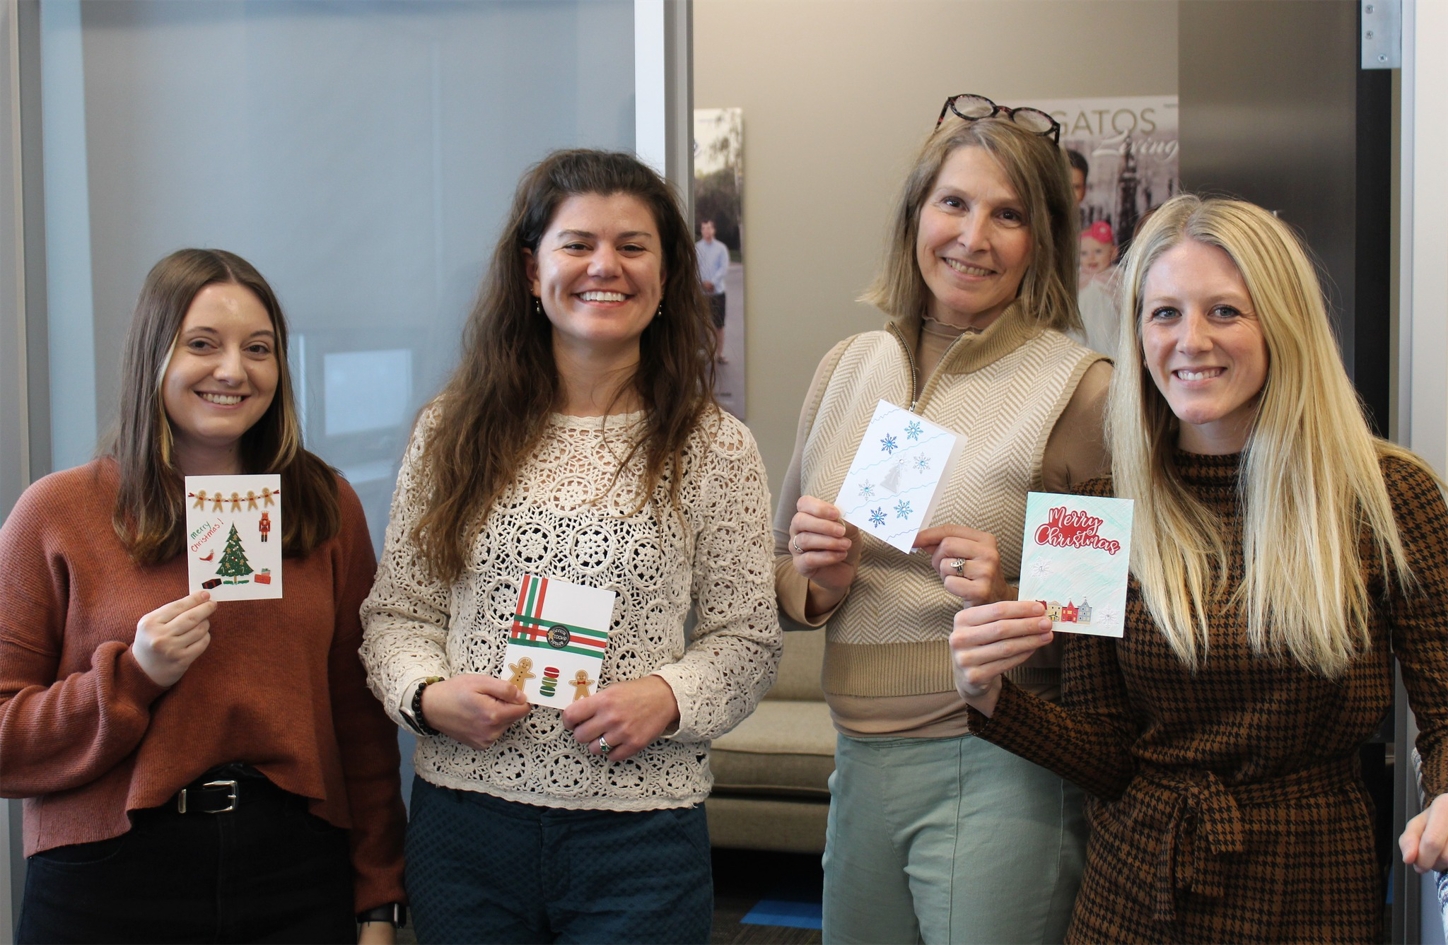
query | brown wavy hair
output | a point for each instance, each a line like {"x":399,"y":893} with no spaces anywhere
{"x":493,"y":411}
{"x":150,"y":511}
{"x":1039,"y":173}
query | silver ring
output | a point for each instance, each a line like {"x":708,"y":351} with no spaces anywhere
{"x":794,"y":543}
{"x":603,"y":746}
{"x":958,"y":566}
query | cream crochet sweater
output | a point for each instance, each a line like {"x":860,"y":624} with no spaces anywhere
{"x":567,"y":517}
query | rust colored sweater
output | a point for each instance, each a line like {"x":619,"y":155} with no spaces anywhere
{"x":86,"y":736}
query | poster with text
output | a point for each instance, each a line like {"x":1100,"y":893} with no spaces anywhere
{"x":1130,"y":146}
{"x":234,"y":536}
{"x":719,"y":242}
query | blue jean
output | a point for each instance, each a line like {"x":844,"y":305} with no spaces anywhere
{"x":948,"y":840}
{"x":482,"y":869}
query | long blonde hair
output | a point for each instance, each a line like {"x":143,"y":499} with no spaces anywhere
{"x":1039,"y":173}
{"x":1310,"y":480}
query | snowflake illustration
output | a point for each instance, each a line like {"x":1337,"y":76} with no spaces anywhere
{"x":1040,"y":569}
{"x":922,"y":463}
{"x":867,"y":489}
{"x":902,"y":509}
{"x":1106,"y":616}
{"x":913,"y":429}
{"x":888,"y":444}
{"x":877,"y":517}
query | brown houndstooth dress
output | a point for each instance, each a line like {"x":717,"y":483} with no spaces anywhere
{"x":1227,"y":806}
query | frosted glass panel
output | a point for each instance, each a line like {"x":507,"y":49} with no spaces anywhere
{"x":361,"y":154}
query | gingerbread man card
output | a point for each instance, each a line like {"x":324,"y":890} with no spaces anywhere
{"x":557,"y":640}
{"x":234,"y":536}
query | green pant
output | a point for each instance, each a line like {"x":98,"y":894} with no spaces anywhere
{"x":948,"y":840}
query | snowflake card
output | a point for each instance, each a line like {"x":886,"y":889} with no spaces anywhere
{"x":234,"y":536}
{"x":1075,"y":558}
{"x":899,"y":471}
{"x":556,"y":644}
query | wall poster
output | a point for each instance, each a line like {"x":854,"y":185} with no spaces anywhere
{"x":1125,"y":153}
{"x":719,"y":230}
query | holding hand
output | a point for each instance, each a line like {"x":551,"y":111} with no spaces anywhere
{"x":1425,"y":838}
{"x":820,"y":541}
{"x":169,"y":638}
{"x":625,"y":716}
{"x":988,"y":641}
{"x":968,"y":561}
{"x":475,"y":710}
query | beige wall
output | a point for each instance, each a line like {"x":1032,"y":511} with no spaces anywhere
{"x":837,"y":95}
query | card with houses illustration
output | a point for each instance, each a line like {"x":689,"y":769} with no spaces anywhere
{"x":1075,"y":560}
{"x":899,"y":471}
{"x":557,"y":641}
{"x":234,"y":536}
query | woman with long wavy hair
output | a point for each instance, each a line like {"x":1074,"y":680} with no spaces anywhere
{"x":195,"y":771}
{"x":577,"y":440}
{"x":1281,"y":557}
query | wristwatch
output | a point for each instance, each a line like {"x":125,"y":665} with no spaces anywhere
{"x":415,"y":717}
{"x":393,"y":913}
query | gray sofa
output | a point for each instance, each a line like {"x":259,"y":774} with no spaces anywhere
{"x":771,"y":774}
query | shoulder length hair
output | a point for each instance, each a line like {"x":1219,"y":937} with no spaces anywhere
{"x":1310,"y":479}
{"x":1038,"y":171}
{"x":494,"y":409}
{"x":150,"y":510}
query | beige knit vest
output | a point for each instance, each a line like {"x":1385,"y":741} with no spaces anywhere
{"x":889,"y":637}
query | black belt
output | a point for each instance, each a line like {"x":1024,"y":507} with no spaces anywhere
{"x":223,"y":789}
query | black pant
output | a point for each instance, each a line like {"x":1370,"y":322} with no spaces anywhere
{"x":265,"y":872}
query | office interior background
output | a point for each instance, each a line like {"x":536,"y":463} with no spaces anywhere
{"x":362,"y":155}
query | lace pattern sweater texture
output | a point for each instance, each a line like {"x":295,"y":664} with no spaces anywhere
{"x":566,"y":516}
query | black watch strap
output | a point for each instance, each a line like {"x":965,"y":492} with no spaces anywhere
{"x":394,"y":913}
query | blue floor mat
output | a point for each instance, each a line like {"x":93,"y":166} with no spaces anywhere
{"x":795,"y":915}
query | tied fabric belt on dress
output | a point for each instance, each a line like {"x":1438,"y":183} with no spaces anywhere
{"x":1203,"y":819}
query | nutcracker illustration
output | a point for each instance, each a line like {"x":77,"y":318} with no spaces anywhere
{"x":264,"y":526}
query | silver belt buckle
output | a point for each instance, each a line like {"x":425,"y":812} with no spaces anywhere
{"x":230,"y":795}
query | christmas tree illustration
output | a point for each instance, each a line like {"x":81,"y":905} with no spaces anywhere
{"x":233,"y":562}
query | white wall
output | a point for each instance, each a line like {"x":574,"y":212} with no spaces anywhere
{"x":837,"y":96}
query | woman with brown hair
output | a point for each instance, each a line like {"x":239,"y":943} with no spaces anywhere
{"x":577,"y":440}
{"x":194,"y":771}
{"x":933,"y":835}
{"x":1281,"y":558}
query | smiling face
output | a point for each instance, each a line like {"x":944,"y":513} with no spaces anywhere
{"x":1095,"y":256}
{"x":221,"y":378}
{"x":974,"y":245}
{"x":1203,"y":346}
{"x":599,"y":274}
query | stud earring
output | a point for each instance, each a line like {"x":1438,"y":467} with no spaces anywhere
{"x":660,"y":312}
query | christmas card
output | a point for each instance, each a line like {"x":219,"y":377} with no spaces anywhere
{"x":899,"y":471}
{"x":234,"y":536}
{"x":556,"y":644}
{"x":1075,"y":559}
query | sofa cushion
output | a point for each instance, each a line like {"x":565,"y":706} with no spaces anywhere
{"x":783,"y":749}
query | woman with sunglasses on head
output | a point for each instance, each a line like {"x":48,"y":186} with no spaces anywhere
{"x":195,"y":771}
{"x":1282,"y":557}
{"x":578,"y":440}
{"x":933,"y":835}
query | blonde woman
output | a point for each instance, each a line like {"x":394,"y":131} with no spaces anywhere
{"x":979,"y":282}
{"x":1282,"y":556}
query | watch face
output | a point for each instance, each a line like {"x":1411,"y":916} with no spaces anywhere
{"x":558,"y":636}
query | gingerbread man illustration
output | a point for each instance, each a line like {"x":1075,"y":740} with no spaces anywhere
{"x":200,"y":500}
{"x":235,"y":502}
{"x":522,"y":672}
{"x":217,"y":503}
{"x":581,"y":682}
{"x":251,"y":498}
